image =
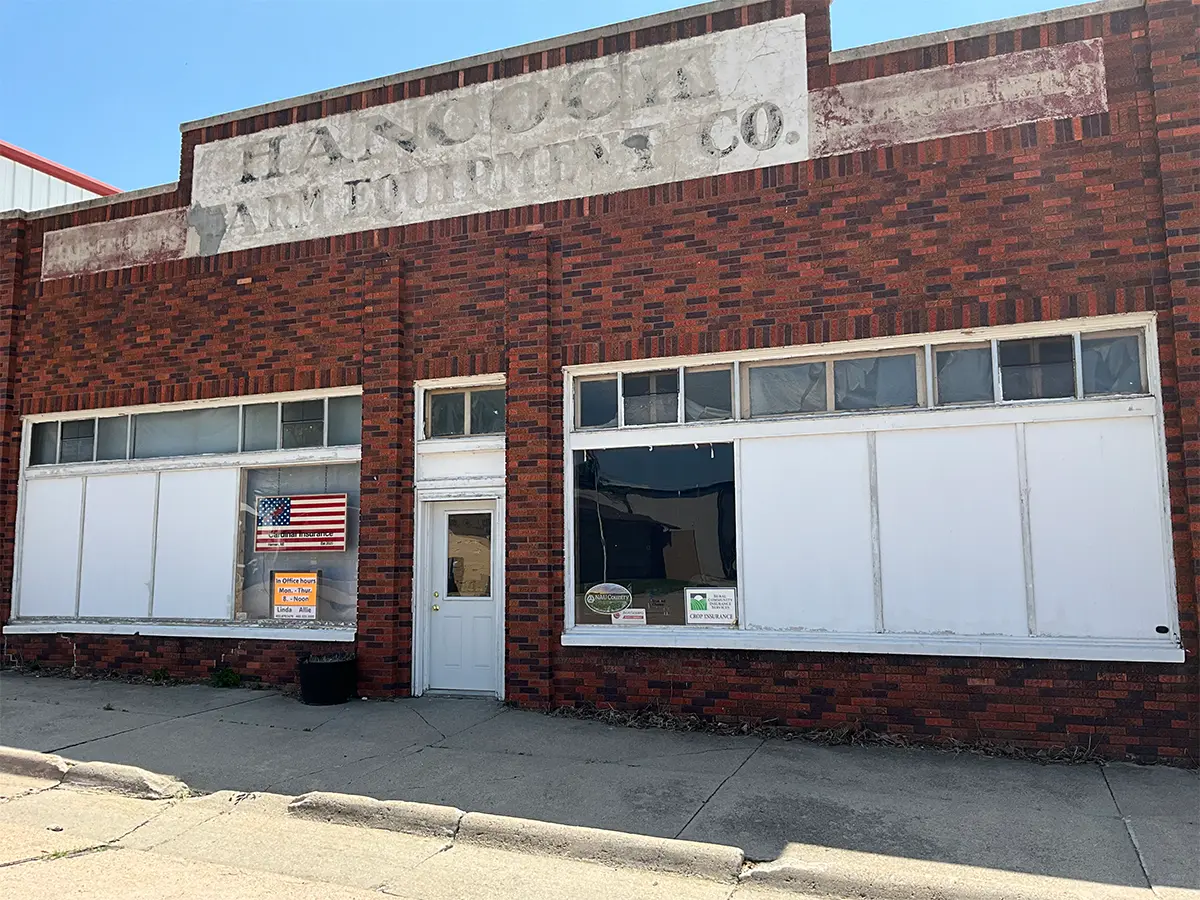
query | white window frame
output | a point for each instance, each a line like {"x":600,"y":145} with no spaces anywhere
{"x":1149,"y":404}
{"x":267,"y":629}
{"x":466,"y":384}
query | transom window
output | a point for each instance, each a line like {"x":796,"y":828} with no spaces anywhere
{"x":321,"y":422}
{"x":1074,"y":365}
{"x":465,"y":412}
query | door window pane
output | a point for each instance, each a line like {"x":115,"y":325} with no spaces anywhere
{"x":345,"y":421}
{"x":468,"y":555}
{"x":487,"y":412}
{"x":597,"y":403}
{"x":77,"y":437}
{"x":112,"y":435}
{"x":43,"y":449}
{"x":875,"y":383}
{"x":707,"y":394}
{"x":965,"y":375}
{"x":798,"y":388}
{"x":260,"y":429}
{"x":1037,"y":369}
{"x":186,"y":432}
{"x":651,"y":397}
{"x":1112,"y":365}
{"x":303,"y":424}
{"x":446,"y":415}
{"x":656,"y":522}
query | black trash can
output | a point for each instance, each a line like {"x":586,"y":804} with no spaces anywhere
{"x":328,"y":679}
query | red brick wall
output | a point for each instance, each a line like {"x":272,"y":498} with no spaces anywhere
{"x":193,"y":659}
{"x":1015,"y":225}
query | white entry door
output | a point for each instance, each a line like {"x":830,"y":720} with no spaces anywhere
{"x":464,"y":609}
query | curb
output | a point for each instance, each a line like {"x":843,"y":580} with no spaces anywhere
{"x":833,"y":874}
{"x":713,"y":861}
{"x":128,"y":780}
{"x":367,"y":812}
{"x":31,"y":764}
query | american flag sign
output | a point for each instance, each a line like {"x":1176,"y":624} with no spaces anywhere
{"x":306,"y":523}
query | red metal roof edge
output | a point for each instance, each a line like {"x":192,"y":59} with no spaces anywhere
{"x":54,"y":170}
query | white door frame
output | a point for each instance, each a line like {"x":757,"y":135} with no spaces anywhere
{"x":483,"y":490}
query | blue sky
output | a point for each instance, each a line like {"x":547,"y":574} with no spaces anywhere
{"x":103,"y":86}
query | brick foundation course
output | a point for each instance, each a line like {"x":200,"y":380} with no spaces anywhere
{"x":1052,"y":220}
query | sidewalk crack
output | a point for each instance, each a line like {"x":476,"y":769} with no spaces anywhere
{"x":1125,"y":820}
{"x":719,"y":786}
{"x":198,"y":712}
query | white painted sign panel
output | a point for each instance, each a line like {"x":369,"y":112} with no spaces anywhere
{"x":722,"y":102}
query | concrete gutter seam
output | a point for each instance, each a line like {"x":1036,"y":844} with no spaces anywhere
{"x":131,"y":781}
{"x":712,"y":861}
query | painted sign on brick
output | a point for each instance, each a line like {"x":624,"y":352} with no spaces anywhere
{"x":721,"y":102}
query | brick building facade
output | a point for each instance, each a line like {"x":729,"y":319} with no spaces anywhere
{"x":1058,"y":216}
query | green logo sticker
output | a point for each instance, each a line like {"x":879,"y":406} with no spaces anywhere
{"x":607,"y":598}
{"x":699,"y":602}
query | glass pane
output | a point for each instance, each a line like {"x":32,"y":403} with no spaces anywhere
{"x":1112,"y":365}
{"x":446,"y":415}
{"x":112,"y":435}
{"x":345,"y":421}
{"x":303,"y":424}
{"x":76,"y":441}
{"x":598,"y":403}
{"x":787,"y":389}
{"x":965,"y":376}
{"x":260,"y":428}
{"x":875,"y":383}
{"x":1037,"y":369}
{"x":469,"y":555}
{"x":337,"y":570}
{"x":708,"y":394}
{"x":656,"y":522}
{"x":43,"y":444}
{"x":487,"y":412}
{"x":651,"y":398}
{"x":185,"y":433}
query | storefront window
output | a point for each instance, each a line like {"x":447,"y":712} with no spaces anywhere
{"x":655,"y":523}
{"x":300,"y":538}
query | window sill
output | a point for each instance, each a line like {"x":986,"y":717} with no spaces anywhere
{"x":1162,"y":650}
{"x":274,"y":631}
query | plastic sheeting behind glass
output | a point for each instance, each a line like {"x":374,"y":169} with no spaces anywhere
{"x":185,"y":433}
{"x":337,"y":585}
{"x":964,"y":375}
{"x":1112,"y":365}
{"x":876,"y":382}
{"x":798,"y":388}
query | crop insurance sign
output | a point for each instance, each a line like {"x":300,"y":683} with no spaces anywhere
{"x":721,"y":102}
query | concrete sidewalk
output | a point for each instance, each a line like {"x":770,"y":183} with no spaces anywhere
{"x":1117,"y":825}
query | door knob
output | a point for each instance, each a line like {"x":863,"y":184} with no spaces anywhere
{"x":436,"y":607}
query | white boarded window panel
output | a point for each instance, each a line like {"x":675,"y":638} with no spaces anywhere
{"x":118,"y":541}
{"x":1099,"y":567}
{"x":50,"y":547}
{"x":195,"y":550}
{"x":950,"y":531}
{"x":806,"y":533}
